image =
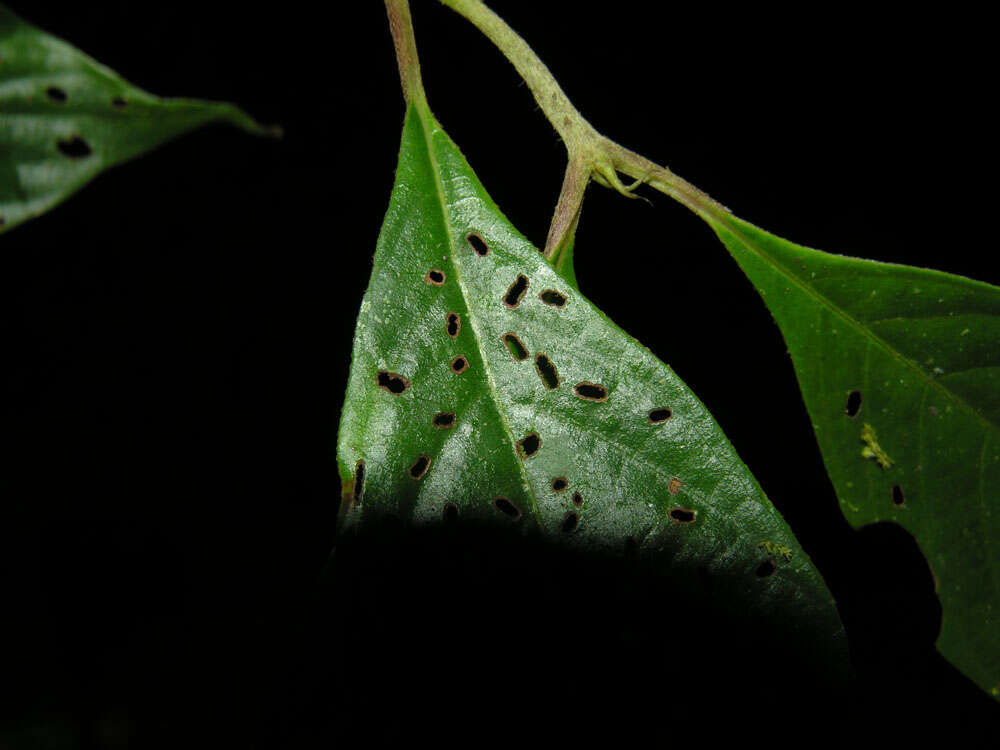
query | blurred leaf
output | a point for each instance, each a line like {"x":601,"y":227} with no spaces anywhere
{"x":64,"y":118}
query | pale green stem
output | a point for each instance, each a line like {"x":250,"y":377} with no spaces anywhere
{"x":590,"y":153}
{"x":567,"y":121}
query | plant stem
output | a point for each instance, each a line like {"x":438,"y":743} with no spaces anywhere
{"x":590,"y":153}
{"x":401,"y":26}
{"x":567,"y":121}
{"x":559,"y":242}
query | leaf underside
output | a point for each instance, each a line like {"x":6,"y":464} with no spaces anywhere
{"x":571,"y":431}
{"x":900,"y":370}
{"x":64,"y":118}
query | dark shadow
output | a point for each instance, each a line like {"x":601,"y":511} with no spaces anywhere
{"x":907,"y":694}
{"x":467,"y":634}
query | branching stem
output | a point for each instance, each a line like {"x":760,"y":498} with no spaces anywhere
{"x":591,"y":155}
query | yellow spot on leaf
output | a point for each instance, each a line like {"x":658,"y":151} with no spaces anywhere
{"x":872,"y":449}
{"x":775,"y":549}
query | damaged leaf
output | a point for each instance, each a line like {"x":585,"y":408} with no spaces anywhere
{"x":560,"y":424}
{"x":65,"y":118}
{"x":900,"y":371}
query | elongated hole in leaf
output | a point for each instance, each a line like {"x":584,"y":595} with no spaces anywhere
{"x":453,"y":324}
{"x":559,"y":484}
{"x":553,"y":298}
{"x":853,"y":404}
{"x":477,"y":243}
{"x":661,"y":415}
{"x":449,"y":514}
{"x":569,"y":522}
{"x":515,"y":347}
{"x":420,"y":466}
{"x":516,"y":291}
{"x":528,"y":445}
{"x":682,"y":515}
{"x":3,"y":221}
{"x":119,"y":102}
{"x":546,"y":371}
{"x":391,"y":382}
{"x":591,"y":392}
{"x":359,"y":481}
{"x":459,"y":365}
{"x":506,"y":507}
{"x":674,"y":485}
{"x":435,"y":277}
{"x":766,"y":568}
{"x":897,"y":495}
{"x":443,"y":420}
{"x":577,"y":499}
{"x":56,"y":94}
{"x":75,"y":147}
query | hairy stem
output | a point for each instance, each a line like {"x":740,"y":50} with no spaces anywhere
{"x":567,"y":121}
{"x":401,"y":26}
{"x":590,"y":153}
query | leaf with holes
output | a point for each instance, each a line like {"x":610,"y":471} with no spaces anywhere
{"x":64,"y":118}
{"x":900,"y":370}
{"x":485,"y":388}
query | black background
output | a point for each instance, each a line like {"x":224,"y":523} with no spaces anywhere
{"x":177,"y":342}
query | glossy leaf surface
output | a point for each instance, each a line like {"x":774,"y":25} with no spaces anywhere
{"x":484,"y":388}
{"x":64,"y":118}
{"x":900,"y":371}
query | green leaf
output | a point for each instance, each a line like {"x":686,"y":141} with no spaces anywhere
{"x":65,"y":117}
{"x":900,"y":371}
{"x":572,"y":430}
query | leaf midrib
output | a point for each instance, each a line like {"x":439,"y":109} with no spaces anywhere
{"x":426,"y":125}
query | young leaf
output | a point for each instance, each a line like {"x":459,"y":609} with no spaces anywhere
{"x":64,"y":118}
{"x":484,"y":387}
{"x":900,"y":371}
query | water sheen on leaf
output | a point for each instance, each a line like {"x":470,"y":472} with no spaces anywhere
{"x":900,"y":371}
{"x":64,"y":118}
{"x":558,"y":444}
